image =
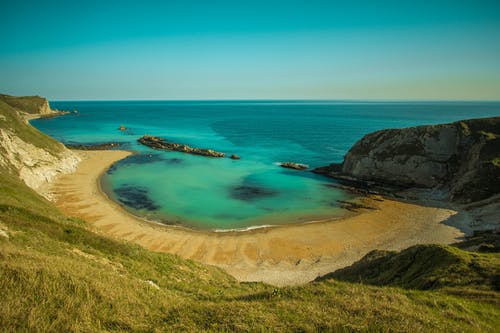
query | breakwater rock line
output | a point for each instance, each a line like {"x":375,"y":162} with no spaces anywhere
{"x":161,"y":144}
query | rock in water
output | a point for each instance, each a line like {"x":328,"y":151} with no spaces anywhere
{"x":235,"y":157}
{"x":122,"y":128}
{"x":160,"y":143}
{"x":295,"y":166}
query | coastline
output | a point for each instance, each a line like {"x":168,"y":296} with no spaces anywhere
{"x":283,"y":255}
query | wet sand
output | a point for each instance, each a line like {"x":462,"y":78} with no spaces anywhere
{"x":284,"y":255}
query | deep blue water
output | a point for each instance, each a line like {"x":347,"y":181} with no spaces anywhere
{"x":211,"y":193}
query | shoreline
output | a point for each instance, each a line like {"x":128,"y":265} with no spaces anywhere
{"x":279,"y":255}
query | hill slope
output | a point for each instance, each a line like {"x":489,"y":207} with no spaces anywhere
{"x":57,"y":275}
{"x":24,"y":151}
{"x":428,"y":267}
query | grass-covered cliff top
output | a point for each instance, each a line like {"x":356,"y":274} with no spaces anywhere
{"x":27,"y":104}
{"x":57,"y":275}
{"x":12,"y":121}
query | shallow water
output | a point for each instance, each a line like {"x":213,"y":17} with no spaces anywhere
{"x":220,"y":193}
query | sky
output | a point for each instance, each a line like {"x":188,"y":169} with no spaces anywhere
{"x":368,"y":50}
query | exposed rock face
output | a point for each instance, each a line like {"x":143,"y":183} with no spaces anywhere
{"x":35,"y":165}
{"x":462,"y":158}
{"x":24,"y":151}
{"x":160,"y":143}
{"x":31,"y":106}
{"x":293,"y":165}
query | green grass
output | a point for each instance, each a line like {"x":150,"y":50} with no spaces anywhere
{"x":28,"y":104}
{"x":57,"y":275}
{"x":11,"y":120}
{"x":429,"y":267}
{"x":488,"y":135}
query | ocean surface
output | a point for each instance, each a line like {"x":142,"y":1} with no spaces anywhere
{"x":220,"y":193}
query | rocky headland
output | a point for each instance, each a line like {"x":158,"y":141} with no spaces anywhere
{"x":32,"y":107}
{"x":457,"y":162}
{"x":25,"y":152}
{"x":161,"y":144}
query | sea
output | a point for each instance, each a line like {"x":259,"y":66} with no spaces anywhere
{"x":222,"y":194}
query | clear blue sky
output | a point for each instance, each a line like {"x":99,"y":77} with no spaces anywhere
{"x":251,"y":49}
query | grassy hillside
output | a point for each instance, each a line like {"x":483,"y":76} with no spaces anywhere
{"x":12,"y":121}
{"x":28,"y":104}
{"x":429,"y":267}
{"x":57,"y":275}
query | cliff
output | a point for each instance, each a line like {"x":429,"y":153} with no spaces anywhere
{"x":33,"y":105}
{"x":462,"y":159}
{"x":26,"y":152}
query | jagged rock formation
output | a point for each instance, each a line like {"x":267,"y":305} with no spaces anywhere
{"x":462,"y":158}
{"x":160,"y":143}
{"x":26,"y":152}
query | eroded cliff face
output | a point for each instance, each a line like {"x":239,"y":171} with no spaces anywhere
{"x":34,"y":165}
{"x":24,"y":151}
{"x":462,"y":158}
{"x":32,"y":105}
{"x":44,"y":108}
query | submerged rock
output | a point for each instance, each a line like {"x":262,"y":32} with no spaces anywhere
{"x":160,"y":143}
{"x":141,"y":159}
{"x":135,"y":197}
{"x":293,"y":165}
{"x":95,"y":146}
{"x":251,"y":192}
{"x":235,"y":157}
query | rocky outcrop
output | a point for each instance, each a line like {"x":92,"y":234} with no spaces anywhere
{"x":462,"y":158}
{"x":34,"y":165}
{"x":24,"y":151}
{"x":31,"y":106}
{"x":160,"y":143}
{"x":293,"y":165}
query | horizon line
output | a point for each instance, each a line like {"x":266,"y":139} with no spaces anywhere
{"x":347,"y":100}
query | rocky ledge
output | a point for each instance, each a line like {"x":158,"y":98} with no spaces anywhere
{"x":95,"y":146}
{"x":293,"y":165}
{"x":461,"y":159}
{"x":160,"y":143}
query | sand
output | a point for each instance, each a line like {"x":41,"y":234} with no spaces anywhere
{"x":285,"y":255}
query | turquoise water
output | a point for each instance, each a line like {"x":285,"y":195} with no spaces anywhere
{"x":211,"y":193}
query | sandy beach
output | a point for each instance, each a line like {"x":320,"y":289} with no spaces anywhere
{"x":283,"y":255}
